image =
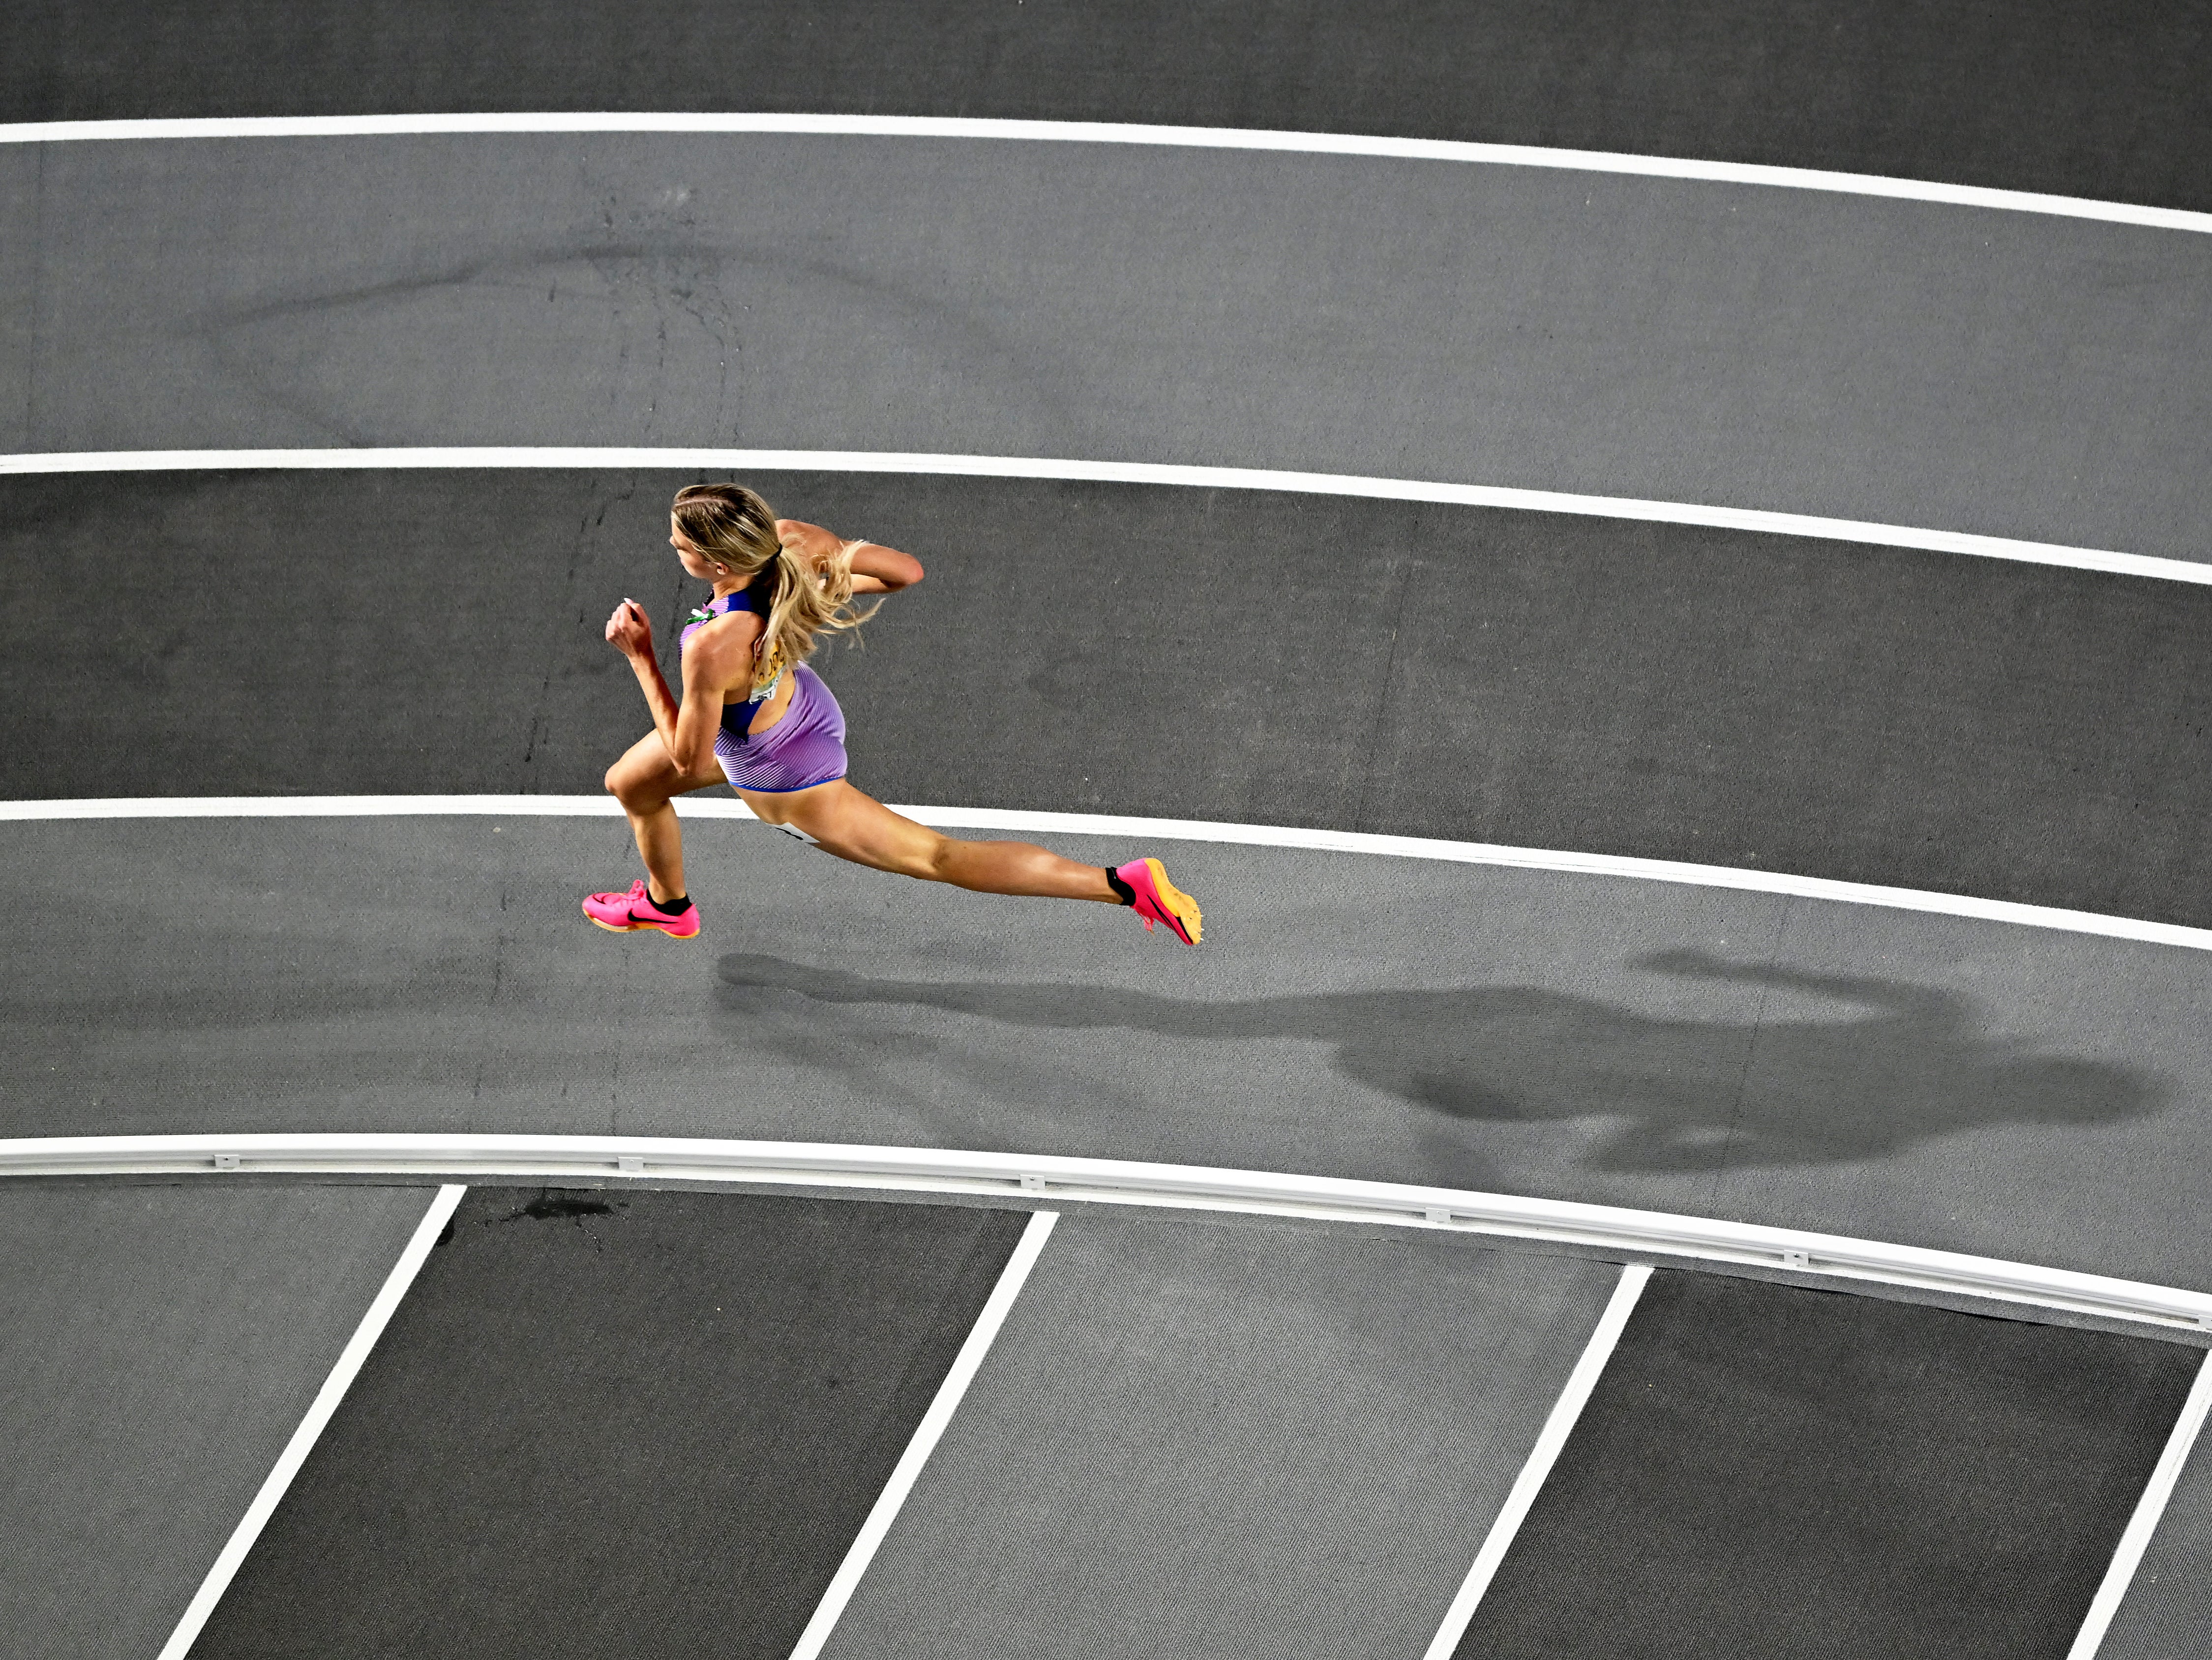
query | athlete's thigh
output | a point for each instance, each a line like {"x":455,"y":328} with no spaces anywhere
{"x":852,"y":824}
{"x":647,"y":766}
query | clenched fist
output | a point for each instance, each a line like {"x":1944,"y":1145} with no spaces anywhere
{"x":628,"y":631}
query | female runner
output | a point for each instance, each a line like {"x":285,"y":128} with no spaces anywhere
{"x":755,"y":715}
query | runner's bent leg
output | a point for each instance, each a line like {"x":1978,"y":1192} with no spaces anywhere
{"x":644,"y":781}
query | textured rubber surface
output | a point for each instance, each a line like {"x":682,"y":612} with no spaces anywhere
{"x":1978,"y":1086}
{"x":1229,"y":1437}
{"x":1805,"y":1475}
{"x":1921,"y":719}
{"x":2068,"y":96}
{"x":2167,"y":1612}
{"x":1902,"y":362}
{"x":649,"y":1422}
{"x":21,"y":257}
{"x":158,"y":1347}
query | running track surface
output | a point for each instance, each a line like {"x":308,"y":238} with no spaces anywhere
{"x":1911,"y":1078}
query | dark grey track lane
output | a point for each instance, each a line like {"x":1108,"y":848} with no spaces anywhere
{"x":1803,"y":1475}
{"x":2010,"y":731}
{"x":1903,"y":363}
{"x":645,"y":1422}
{"x":1228,"y":1437}
{"x":2104,"y":100}
{"x":158,"y":1347}
{"x":2037,"y":1096}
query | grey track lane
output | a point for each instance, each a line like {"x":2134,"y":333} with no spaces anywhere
{"x":1910,"y":364}
{"x":2018,"y":1092}
{"x":158,"y":1347}
{"x":1210,"y":1437}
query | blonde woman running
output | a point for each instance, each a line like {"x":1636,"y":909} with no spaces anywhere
{"x":754,"y":715}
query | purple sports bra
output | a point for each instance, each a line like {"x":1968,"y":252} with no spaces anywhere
{"x":756,"y":596}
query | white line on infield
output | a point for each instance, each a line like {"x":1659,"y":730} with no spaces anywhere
{"x":1860,"y":532}
{"x":1541,"y":1457}
{"x":965,"y":1366}
{"x":1168,"y":830}
{"x":1114,"y":132}
{"x":2144,"y":1522}
{"x":311,"y":1427}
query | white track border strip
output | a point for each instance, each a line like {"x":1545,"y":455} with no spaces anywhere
{"x":965,"y":1366}
{"x":1860,"y":532}
{"x":1048,"y":1178}
{"x":1545,"y":1453}
{"x":2144,"y":1522}
{"x":1114,"y":132}
{"x":1168,"y":830}
{"x":311,"y":1427}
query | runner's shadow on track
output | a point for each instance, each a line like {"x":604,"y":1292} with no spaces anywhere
{"x":1903,"y":1064}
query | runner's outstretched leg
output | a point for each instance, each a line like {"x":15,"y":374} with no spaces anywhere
{"x":859,"y":828}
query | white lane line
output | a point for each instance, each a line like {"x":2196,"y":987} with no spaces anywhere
{"x":1168,"y":830}
{"x":2144,"y":1522}
{"x":1862,"y":531}
{"x":926,"y":1435}
{"x":1545,"y":1453}
{"x":1118,"y":132}
{"x":311,"y":1427}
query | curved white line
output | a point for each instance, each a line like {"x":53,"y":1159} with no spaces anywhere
{"x":1118,"y":132}
{"x":1172,"y":830}
{"x":1050,"y":1178}
{"x":1129,"y":472}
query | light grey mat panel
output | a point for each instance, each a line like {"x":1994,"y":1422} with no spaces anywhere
{"x":158,"y":1347}
{"x":1199,"y":1437}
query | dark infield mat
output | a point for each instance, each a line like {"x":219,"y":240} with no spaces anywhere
{"x":617,"y":1423}
{"x":1810,"y":1476}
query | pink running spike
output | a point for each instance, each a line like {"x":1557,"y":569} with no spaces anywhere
{"x":1159,"y":900}
{"x":629,"y":913}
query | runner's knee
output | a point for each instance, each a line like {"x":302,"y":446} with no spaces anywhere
{"x":636,"y":795}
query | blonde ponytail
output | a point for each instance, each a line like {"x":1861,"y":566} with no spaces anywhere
{"x":734,"y":526}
